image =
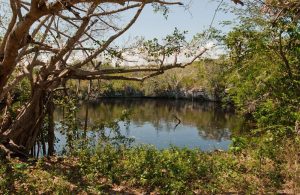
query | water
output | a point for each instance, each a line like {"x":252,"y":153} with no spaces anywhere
{"x":155,"y":122}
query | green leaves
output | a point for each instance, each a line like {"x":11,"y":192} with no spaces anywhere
{"x":238,"y":144}
{"x":20,"y":166}
{"x":263,"y":66}
{"x":170,"y":45}
{"x":160,"y":8}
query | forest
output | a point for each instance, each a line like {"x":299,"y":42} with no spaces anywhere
{"x":82,"y":115}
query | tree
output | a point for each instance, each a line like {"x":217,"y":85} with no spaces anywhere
{"x":46,"y":43}
{"x":264,"y":63}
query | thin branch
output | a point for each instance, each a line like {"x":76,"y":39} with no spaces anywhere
{"x":111,"y":39}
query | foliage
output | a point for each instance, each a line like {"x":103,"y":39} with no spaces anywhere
{"x":263,"y":74}
{"x":109,"y":169}
{"x":260,"y":74}
{"x":207,"y":75}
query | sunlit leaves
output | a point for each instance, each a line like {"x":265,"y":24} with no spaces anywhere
{"x":264,"y":62}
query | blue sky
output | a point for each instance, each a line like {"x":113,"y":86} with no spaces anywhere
{"x":196,"y":19}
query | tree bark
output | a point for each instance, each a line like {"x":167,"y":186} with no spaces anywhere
{"x":51,"y":135}
{"x":26,"y":127}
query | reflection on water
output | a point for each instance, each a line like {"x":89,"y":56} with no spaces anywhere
{"x":153,"y":121}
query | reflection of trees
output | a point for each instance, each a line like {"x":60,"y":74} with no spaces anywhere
{"x":217,"y":126}
{"x":216,"y":134}
{"x":212,"y":122}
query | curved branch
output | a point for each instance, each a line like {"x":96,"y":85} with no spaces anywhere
{"x":9,"y":29}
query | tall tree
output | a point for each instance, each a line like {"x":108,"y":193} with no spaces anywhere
{"x":264,"y":62}
{"x":48,"y":42}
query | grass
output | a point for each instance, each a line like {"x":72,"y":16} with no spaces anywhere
{"x":254,"y":168}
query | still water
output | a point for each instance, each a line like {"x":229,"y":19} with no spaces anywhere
{"x":160,"y":122}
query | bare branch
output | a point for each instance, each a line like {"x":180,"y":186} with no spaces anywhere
{"x":9,"y":29}
{"x":111,"y":39}
{"x":107,"y":74}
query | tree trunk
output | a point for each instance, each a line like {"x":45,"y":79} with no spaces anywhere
{"x":51,"y":135}
{"x":85,"y":121}
{"x":43,"y":143}
{"x":26,"y":127}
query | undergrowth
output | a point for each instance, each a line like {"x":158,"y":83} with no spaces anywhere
{"x":268,"y":166}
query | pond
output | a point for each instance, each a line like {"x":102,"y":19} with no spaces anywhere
{"x":159,"y":122}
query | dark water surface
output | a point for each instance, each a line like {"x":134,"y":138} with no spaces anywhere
{"x":153,"y":121}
